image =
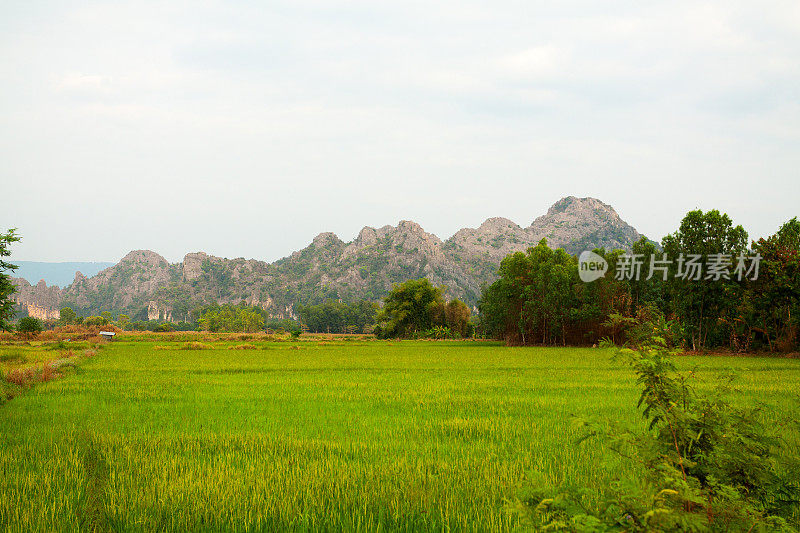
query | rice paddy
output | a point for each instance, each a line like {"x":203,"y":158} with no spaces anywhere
{"x":265,"y":436}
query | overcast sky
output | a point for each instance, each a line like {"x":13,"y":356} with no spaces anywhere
{"x":244,"y":129}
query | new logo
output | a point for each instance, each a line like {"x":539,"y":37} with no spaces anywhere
{"x":591,"y":266}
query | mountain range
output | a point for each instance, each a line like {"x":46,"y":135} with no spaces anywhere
{"x":144,"y":285}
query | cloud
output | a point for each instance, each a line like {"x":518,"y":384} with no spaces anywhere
{"x":537,"y":63}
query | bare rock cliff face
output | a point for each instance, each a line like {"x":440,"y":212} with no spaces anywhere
{"x":144,"y":285}
{"x":39,"y":300}
{"x":192,"y":265}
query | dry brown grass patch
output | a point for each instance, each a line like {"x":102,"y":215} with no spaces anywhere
{"x":22,"y":377}
{"x":196,"y":346}
{"x":48,"y":373}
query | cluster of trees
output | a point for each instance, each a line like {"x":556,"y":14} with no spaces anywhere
{"x":539,"y":297}
{"x":68,"y":316}
{"x":416,"y":308}
{"x":217,"y":318}
{"x":339,"y":317}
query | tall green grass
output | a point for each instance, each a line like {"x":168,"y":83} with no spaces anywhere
{"x":337,"y":436}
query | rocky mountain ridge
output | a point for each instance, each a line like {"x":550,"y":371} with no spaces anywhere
{"x":144,"y":285}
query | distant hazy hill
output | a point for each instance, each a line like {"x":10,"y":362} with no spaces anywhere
{"x":145,"y":285}
{"x":61,"y":274}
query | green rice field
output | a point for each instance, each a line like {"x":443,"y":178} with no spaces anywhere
{"x":359,"y":435}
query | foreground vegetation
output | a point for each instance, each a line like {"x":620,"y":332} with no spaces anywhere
{"x":248,"y":432}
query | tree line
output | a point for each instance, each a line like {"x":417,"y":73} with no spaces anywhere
{"x":339,"y":317}
{"x":539,"y":297}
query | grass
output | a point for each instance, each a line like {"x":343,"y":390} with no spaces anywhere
{"x":334,"y":436}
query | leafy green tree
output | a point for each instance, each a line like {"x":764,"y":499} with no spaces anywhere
{"x":540,"y":299}
{"x":231,"y":318}
{"x":774,"y":317}
{"x":338,"y":317}
{"x":166,"y":327}
{"x":648,"y":289}
{"x":705,"y":306}
{"x":95,"y":321}
{"x":67,"y":315}
{"x":7,"y":288}
{"x":409,"y":308}
{"x":30,"y":325}
{"x":250,"y":320}
{"x":282,"y":324}
{"x":533,"y":298}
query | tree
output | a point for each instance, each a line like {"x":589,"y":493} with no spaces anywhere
{"x":646,"y":291}
{"x":705,"y":306}
{"x":166,"y":327}
{"x":775,"y":311}
{"x":251,"y":320}
{"x":30,"y":325}
{"x":67,"y":315}
{"x":231,"y":318}
{"x":456,"y":316}
{"x":534,"y":297}
{"x":95,"y":321}
{"x":6,"y":287}
{"x":540,"y":299}
{"x":409,"y":308}
{"x":338,"y":317}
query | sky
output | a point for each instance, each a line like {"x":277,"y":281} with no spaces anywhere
{"x":244,"y":129}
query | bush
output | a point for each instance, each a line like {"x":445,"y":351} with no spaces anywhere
{"x":95,"y":321}
{"x":710,"y":466}
{"x":166,"y":327}
{"x":196,"y":346}
{"x":30,"y":325}
{"x":438,"y":332}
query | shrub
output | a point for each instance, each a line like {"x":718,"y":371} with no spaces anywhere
{"x":30,"y":326}
{"x":438,"y":332}
{"x":196,"y":346}
{"x":166,"y":327}
{"x":95,"y":321}
{"x":710,"y":466}
{"x":48,"y":373}
{"x":21,"y":377}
